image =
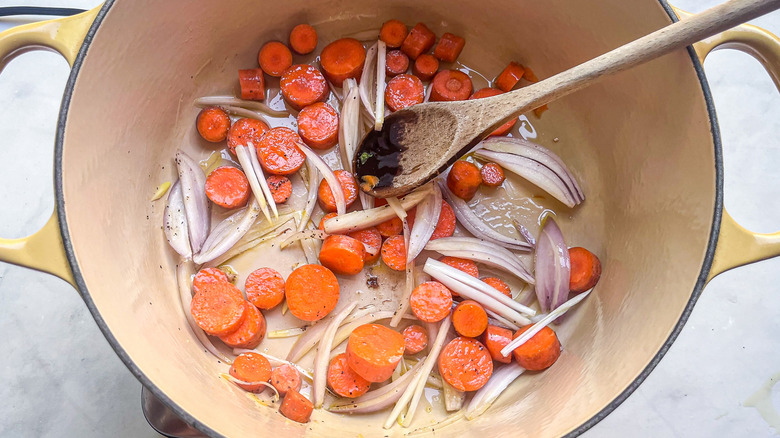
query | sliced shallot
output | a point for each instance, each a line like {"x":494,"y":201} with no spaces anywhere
{"x":453,"y":398}
{"x":225,"y":237}
{"x":305,"y":234}
{"x":329,"y":176}
{"x":552,"y":266}
{"x":481,"y":251}
{"x":378,"y":399}
{"x":323,"y":352}
{"x":368,"y":81}
{"x":379,"y":113}
{"x":196,"y":204}
{"x":245,"y":159}
{"x":425,"y":221}
{"x":233,"y":101}
{"x":311,"y":195}
{"x":502,"y":377}
{"x":349,"y":119}
{"x":175,"y":223}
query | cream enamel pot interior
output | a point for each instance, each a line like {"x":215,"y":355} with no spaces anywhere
{"x":643,"y":143}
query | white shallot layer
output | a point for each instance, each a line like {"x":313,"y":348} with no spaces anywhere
{"x":175,"y":223}
{"x":349,"y":121}
{"x":196,"y":204}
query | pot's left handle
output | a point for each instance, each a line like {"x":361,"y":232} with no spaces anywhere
{"x":44,"y":250}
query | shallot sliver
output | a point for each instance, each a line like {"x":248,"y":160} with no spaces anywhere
{"x":483,"y":251}
{"x":230,"y":238}
{"x":261,"y":178}
{"x":361,"y":219}
{"x":196,"y":204}
{"x":348,"y":123}
{"x":329,"y":176}
{"x":425,"y":220}
{"x":311,"y":195}
{"x":323,"y":352}
{"x":552,"y":266}
{"x":499,"y":381}
{"x":232,"y":101}
{"x":379,"y":115}
{"x":378,"y":399}
{"x":245,"y":160}
{"x":367,"y":81}
{"x":175,"y":222}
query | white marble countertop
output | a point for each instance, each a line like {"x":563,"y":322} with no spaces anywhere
{"x":60,"y":377}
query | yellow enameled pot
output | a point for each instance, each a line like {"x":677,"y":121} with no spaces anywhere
{"x":644,"y":143}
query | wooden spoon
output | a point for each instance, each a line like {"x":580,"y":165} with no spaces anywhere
{"x":417,"y":143}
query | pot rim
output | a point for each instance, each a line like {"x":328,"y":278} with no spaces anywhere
{"x":189,"y":419}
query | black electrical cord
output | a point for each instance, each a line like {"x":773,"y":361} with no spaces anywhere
{"x":37,"y":10}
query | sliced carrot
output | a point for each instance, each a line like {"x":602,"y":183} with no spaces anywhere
{"x":245,"y":131}
{"x":302,"y":85}
{"x":281,"y":188}
{"x":464,"y":265}
{"x":449,"y":47}
{"x":585,"y":269}
{"x":373,"y":351}
{"x":499,"y":285}
{"x":529,"y":75}
{"x":274,"y":58}
{"x":378,"y":202}
{"x":206,"y":276}
{"x":372,"y":243}
{"x":539,"y":352}
{"x":318,"y":125}
{"x":213,"y":124}
{"x":296,"y":407}
{"x":227,"y":187}
{"x":343,"y":381}
{"x":431,"y":301}
{"x":489,"y":92}
{"x":538,"y":111}
{"x":251,"y":367}
{"x":348,"y":186}
{"x":415,"y":339}
{"x":464,"y":179}
{"x":324,"y":218}
{"x":492,"y":174}
{"x":303,"y":39}
{"x":425,"y":67}
{"x":250,"y":333}
{"x":509,"y":77}
{"x":450,"y":85}
{"x":495,"y":338}
{"x":446,"y":225}
{"x":342,"y":254}
{"x":469,"y":318}
{"x":393,"y":33}
{"x":403,"y":91}
{"x":394,"y":253}
{"x":419,"y":40}
{"x":279,"y":153}
{"x":252,"y":84}
{"x":218,"y":308}
{"x":286,"y":378}
{"x":343,"y":59}
{"x":264,"y":288}
{"x":396,"y":63}
{"x":312,"y":292}
{"x":465,"y":364}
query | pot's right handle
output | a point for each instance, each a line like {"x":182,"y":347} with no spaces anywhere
{"x":738,"y":246}
{"x":44,"y":250}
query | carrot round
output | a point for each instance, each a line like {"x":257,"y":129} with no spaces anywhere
{"x":372,"y":243}
{"x":465,"y":364}
{"x":318,"y":125}
{"x":499,"y":285}
{"x":303,"y":39}
{"x":206,"y":276}
{"x":245,"y":131}
{"x":415,"y":339}
{"x":464,"y":179}
{"x":281,"y":188}
{"x":227,"y":187}
{"x":213,"y":124}
{"x":464,"y":265}
{"x":312,"y":292}
{"x":393,"y":33}
{"x":251,"y":367}
{"x":445,"y":227}
{"x":539,"y":352}
{"x":509,"y":77}
{"x":286,"y":378}
{"x":449,"y":47}
{"x":489,"y":92}
{"x":250,"y":333}
{"x":495,"y":338}
{"x":274,"y":58}
{"x":403,"y":91}
{"x":343,"y":381}
{"x":348,"y":186}
{"x":324,"y":218}
{"x":343,"y":59}
{"x":394,"y":253}
{"x":449,"y":85}
{"x":264,"y":288}
{"x":425,"y":67}
{"x":396,"y":63}
{"x":419,"y":40}
{"x":469,"y":319}
{"x":252,"y":84}
{"x":278,"y":151}
{"x":218,"y":308}
{"x":342,"y":254}
{"x":302,"y":85}
{"x":373,"y":351}
{"x":431,"y":301}
{"x":492,"y":174}
{"x":296,"y":407}
{"x":585,"y":269}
